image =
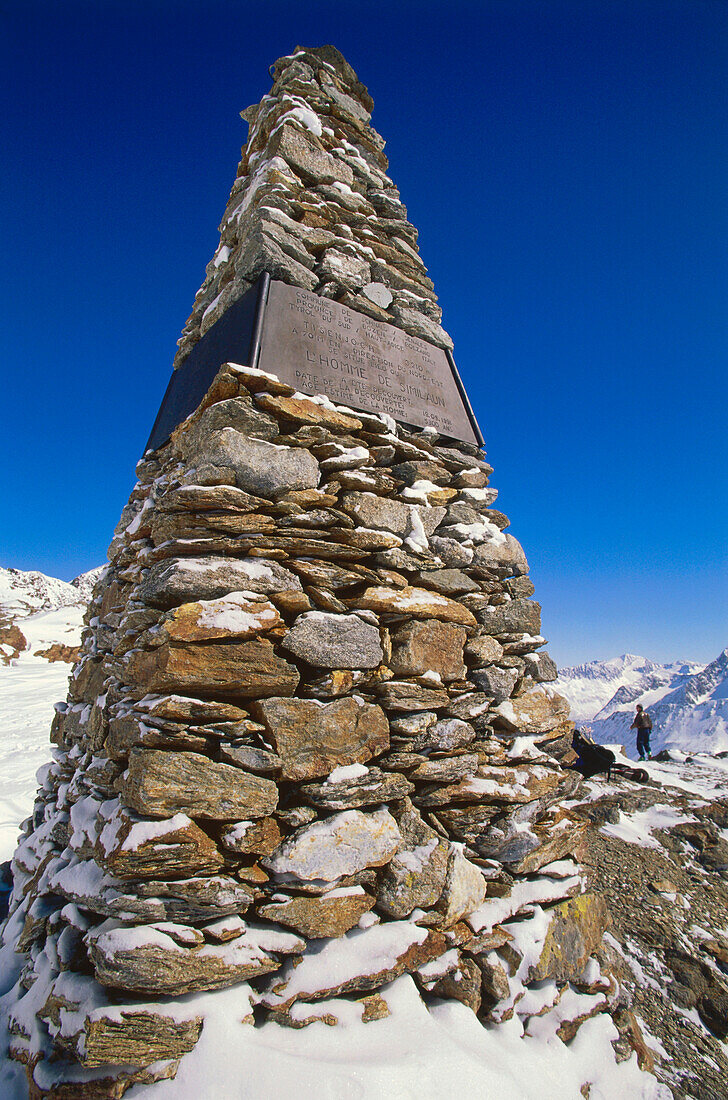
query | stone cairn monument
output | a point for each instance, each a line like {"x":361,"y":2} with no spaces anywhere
{"x":311,"y":716}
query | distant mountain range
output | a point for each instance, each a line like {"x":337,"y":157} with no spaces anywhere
{"x":26,"y":593}
{"x":688,"y":702}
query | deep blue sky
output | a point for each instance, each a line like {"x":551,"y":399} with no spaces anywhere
{"x":566,"y":165}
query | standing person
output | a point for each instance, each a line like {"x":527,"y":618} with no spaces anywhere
{"x":643,"y":724}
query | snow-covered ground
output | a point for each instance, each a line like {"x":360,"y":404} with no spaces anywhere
{"x":29,"y":686}
{"x":414,"y":1054}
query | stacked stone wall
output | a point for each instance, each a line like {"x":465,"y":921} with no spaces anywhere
{"x":312,"y":712}
{"x":310,"y":706}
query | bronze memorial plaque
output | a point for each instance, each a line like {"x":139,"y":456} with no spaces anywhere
{"x":323,"y":347}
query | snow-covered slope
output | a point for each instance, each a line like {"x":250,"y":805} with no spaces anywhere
{"x":24,"y":593}
{"x":600,"y":685}
{"x":48,"y":616}
{"x":29,"y":686}
{"x":688,"y":702}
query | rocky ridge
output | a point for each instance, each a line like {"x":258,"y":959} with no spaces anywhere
{"x":310,"y":745}
{"x":659,"y":854}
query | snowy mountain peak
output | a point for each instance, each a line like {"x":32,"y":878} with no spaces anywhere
{"x":85,"y":582}
{"x":710,"y":682}
{"x":688,"y":702}
{"x":26,"y":593}
{"x":613,"y":669}
{"x":597,"y":688}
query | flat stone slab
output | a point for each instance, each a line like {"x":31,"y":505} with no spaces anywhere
{"x":233,"y":412}
{"x":185,"y":580}
{"x":331,"y":914}
{"x":237,"y":670}
{"x":239,"y":615}
{"x":132,"y":848}
{"x":115,"y":1034}
{"x":417,"y":603}
{"x":160,"y":784}
{"x":531,"y":713}
{"x":179,"y":708}
{"x":265,"y":469}
{"x":313,"y":738}
{"x":429,"y":646}
{"x":341,"y":845}
{"x":443,"y":736}
{"x":334,"y":641}
{"x":515,"y":617}
{"x":151,"y":959}
{"x":575,"y":931}
{"x":385,"y":514}
{"x":402,"y":695}
{"x":497,"y":784}
{"x":304,"y":411}
{"x":506,"y":837}
{"x":363,"y":790}
{"x":446,"y":769}
{"x":189,"y":900}
{"x":361,"y":960}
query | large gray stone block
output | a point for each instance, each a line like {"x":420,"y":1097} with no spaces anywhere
{"x":260,"y":467}
{"x":186,"y":580}
{"x":334,"y":641}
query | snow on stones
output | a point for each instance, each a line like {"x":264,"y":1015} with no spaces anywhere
{"x":308,"y":722}
{"x":339,"y":846}
{"x":161,"y":959}
{"x":419,"y":603}
{"x":83,"y":1020}
{"x":415,"y":878}
{"x":360,"y":960}
{"x":131,"y":848}
{"x":334,"y":641}
{"x":375,"y":787}
{"x":239,"y":615}
{"x":175,"y":581}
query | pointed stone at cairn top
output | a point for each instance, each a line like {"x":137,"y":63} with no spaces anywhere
{"x":312,"y":206}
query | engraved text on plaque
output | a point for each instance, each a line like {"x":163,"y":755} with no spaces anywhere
{"x":320,"y":346}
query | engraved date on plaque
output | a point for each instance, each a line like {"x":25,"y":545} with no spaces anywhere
{"x":320,"y":346}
